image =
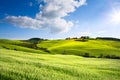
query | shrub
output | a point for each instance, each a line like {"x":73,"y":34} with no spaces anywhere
{"x":115,"y":57}
{"x":15,"y":49}
{"x":82,"y":40}
{"x":100,"y":56}
{"x":107,"y":56}
{"x":64,"y":52}
{"x":35,"y":40}
{"x":5,"y":47}
{"x":92,"y":56}
{"x":112,"y":56}
{"x":44,"y":49}
{"x":86,"y":55}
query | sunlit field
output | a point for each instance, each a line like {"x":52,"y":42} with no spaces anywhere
{"x":19,"y":65}
{"x":94,"y":48}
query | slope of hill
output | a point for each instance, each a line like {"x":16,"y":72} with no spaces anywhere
{"x":17,"y":65}
{"x":91,"y":48}
{"x":18,"y":46}
{"x":94,"y":48}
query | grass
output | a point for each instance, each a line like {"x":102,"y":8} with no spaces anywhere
{"x":18,"y":46}
{"x":18,"y":65}
{"x":93,"y":47}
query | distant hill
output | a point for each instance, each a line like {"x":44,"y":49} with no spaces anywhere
{"x":90,"y":48}
{"x":99,"y":47}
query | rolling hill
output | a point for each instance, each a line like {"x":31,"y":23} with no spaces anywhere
{"x":18,"y":45}
{"x":59,"y":60}
{"x":91,"y":48}
{"x":94,"y":48}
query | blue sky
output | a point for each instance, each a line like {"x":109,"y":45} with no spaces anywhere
{"x":50,"y":19}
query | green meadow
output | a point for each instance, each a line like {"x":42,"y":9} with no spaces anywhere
{"x":59,"y":60}
{"x":18,"y":65}
{"x":94,"y":48}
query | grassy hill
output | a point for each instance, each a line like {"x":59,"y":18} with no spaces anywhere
{"x":18,"y":45}
{"x":19,"y":61}
{"x":93,"y":48}
{"x":19,"y":65}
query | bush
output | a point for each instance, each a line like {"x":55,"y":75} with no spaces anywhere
{"x":5,"y":47}
{"x":100,"y":56}
{"x":112,"y":57}
{"x":108,"y":38}
{"x":92,"y":56}
{"x":86,"y":55}
{"x":44,"y":49}
{"x":82,"y":40}
{"x":107,"y":56}
{"x":115,"y":57}
{"x":35,"y":40}
{"x":64,"y":52}
{"x":15,"y":49}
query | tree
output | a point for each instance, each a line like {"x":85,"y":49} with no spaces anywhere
{"x":86,"y":55}
{"x":35,"y":40}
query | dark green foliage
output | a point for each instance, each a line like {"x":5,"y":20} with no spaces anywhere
{"x":5,"y":47}
{"x":100,"y":56}
{"x":86,"y":55}
{"x":82,"y":40}
{"x":108,"y":38}
{"x":107,"y":56}
{"x":115,"y":57}
{"x":64,"y":52}
{"x":92,"y":56}
{"x":44,"y":49}
{"x":112,"y":56}
{"x":32,"y":43}
{"x":35,"y":40}
{"x":85,"y":37}
{"x":15,"y":49}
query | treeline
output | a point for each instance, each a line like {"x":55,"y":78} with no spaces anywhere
{"x":86,"y":38}
{"x":108,"y":38}
{"x":100,"y":56}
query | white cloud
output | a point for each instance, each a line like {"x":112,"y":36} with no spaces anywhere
{"x":51,"y":16}
{"x":60,"y":25}
{"x":24,"y":22}
{"x":113,"y":16}
{"x":61,"y":8}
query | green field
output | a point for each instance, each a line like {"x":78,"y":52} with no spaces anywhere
{"x":17,"y":65}
{"x":59,"y":60}
{"x":93,"y":47}
{"x":17,"y":45}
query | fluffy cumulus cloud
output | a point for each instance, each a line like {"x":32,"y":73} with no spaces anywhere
{"x":51,"y":16}
{"x":24,"y":22}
